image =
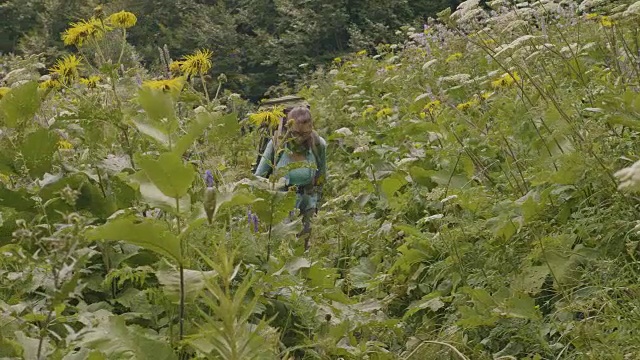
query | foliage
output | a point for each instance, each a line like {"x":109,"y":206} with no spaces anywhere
{"x":481,"y":199}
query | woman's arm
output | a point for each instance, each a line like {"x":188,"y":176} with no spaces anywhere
{"x":265,"y":167}
{"x":322,"y":161}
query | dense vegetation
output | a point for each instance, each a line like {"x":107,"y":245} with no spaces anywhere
{"x":480,"y":201}
{"x":260,"y":45}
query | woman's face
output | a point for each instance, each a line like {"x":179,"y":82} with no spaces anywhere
{"x":301,"y":132}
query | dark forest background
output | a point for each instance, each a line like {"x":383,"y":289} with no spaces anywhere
{"x":258,"y":44}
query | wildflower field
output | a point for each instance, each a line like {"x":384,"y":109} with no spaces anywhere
{"x":481,"y":200}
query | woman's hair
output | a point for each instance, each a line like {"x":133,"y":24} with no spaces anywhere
{"x":301,"y":115}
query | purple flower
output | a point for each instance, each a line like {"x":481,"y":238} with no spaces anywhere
{"x":255,"y":223}
{"x":208,"y":178}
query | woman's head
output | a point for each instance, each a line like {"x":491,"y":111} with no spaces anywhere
{"x":301,"y":126}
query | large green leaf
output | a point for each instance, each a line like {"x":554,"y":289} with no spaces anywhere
{"x":194,"y":281}
{"x":118,"y":341}
{"x":168,"y":174}
{"x":16,"y":199}
{"x":37,"y":151}
{"x":149,"y":234}
{"x":159,"y":107}
{"x":155,"y":198}
{"x":197,"y":128}
{"x":20,"y":104}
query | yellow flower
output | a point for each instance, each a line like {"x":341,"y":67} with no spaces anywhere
{"x":174,"y":84}
{"x":505,"y":80}
{"x":66,"y":68}
{"x":269,"y":117}
{"x":468,"y":105}
{"x":362,"y":53}
{"x":196,"y":64}
{"x":50,"y":84}
{"x":606,"y":22}
{"x":389,"y":67}
{"x":485,"y":95}
{"x":368,"y":110}
{"x":454,"y":57}
{"x":4,"y":91}
{"x":337,"y":60}
{"x":591,"y":16}
{"x":84,"y":30}
{"x":122,"y":19}
{"x":432,"y":107}
{"x":174,"y":67}
{"x":384,"y":112}
{"x":64,"y":145}
{"x":91,"y":82}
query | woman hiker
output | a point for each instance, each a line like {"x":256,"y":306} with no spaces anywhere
{"x":301,"y":143}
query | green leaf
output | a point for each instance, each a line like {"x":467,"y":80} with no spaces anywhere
{"x":18,"y":199}
{"x":168,"y":174}
{"x":363,"y":273}
{"x":421,"y":176}
{"x":430,"y":301}
{"x":197,"y":128}
{"x":118,"y":341}
{"x":392,"y":184}
{"x":522,"y":306}
{"x":37,"y":151}
{"x":154,"y":197}
{"x":159,"y":108}
{"x":226,"y":126}
{"x":194,"y":281}
{"x":20,"y":104}
{"x":149,"y":234}
{"x":154,"y":131}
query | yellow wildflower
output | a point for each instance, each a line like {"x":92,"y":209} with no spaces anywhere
{"x":454,"y":57}
{"x":269,"y":117}
{"x":50,"y":84}
{"x":389,"y":67}
{"x":174,"y":67}
{"x":368,"y":110}
{"x":66,"y":68}
{"x":432,"y":107}
{"x":362,"y":53}
{"x":485,"y":95}
{"x":64,"y":145}
{"x":122,"y":19}
{"x":467,"y":105}
{"x":91,"y":82}
{"x":606,"y":22}
{"x":174,"y":84}
{"x":196,"y":64}
{"x":4,"y":91}
{"x":84,"y":30}
{"x":591,"y":16}
{"x":505,"y":80}
{"x":337,"y":60}
{"x":384,"y":112}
